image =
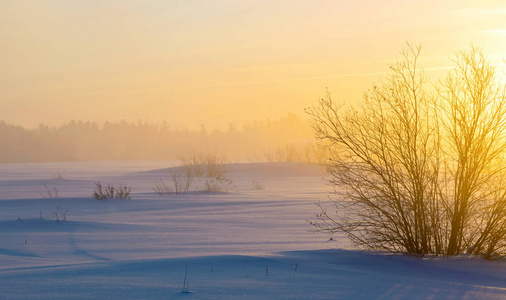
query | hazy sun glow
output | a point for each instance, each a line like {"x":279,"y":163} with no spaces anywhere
{"x":213,"y":63}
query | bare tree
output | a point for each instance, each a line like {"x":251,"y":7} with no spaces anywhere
{"x":475,"y":109}
{"x":413,"y":169}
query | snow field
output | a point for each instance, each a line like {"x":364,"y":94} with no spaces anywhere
{"x":247,"y":244}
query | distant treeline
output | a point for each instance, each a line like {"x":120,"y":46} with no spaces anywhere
{"x":78,"y":140}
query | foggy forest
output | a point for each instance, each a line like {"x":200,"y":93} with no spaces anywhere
{"x":78,"y":140}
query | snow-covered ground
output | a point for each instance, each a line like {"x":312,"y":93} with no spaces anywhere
{"x":249,"y":243}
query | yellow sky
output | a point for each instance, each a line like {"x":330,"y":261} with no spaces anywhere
{"x":211,"y":63}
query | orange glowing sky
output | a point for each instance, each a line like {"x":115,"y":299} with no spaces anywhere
{"x":212,"y":63}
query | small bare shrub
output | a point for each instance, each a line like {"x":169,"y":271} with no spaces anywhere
{"x":50,"y":192}
{"x":193,"y":164}
{"x":204,"y":164}
{"x":98,"y":193}
{"x":109,"y":192}
{"x":219,"y":184}
{"x":257,"y":185}
{"x":208,"y":167}
{"x":182,"y":182}
{"x":215,"y":164}
{"x":310,"y":153}
{"x":59,"y":214}
{"x":122,"y":192}
{"x":161,"y":188}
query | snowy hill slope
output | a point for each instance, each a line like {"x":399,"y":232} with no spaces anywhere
{"x":249,"y":243}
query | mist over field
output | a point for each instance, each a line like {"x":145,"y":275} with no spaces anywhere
{"x":78,"y":140}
